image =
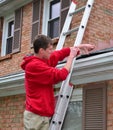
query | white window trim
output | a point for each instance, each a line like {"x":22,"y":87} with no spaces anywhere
{"x":7,"y":19}
{"x":77,"y":94}
{"x":46,"y":16}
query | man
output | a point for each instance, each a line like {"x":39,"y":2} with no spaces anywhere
{"x":41,"y":75}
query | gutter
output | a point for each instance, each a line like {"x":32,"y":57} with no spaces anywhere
{"x":3,"y":2}
{"x":106,"y":50}
{"x":95,"y":67}
{"x":9,"y":6}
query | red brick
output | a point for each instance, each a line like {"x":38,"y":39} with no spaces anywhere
{"x":99,"y":32}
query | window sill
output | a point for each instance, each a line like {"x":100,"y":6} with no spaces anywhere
{"x":9,"y":56}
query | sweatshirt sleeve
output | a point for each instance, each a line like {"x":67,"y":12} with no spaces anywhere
{"x":58,"y":56}
{"x":44,"y":74}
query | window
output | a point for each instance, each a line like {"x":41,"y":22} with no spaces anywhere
{"x":53,"y":23}
{"x":12,"y":33}
{"x":9,"y":40}
{"x":73,"y":118}
{"x":55,"y":12}
{"x":8,"y":34}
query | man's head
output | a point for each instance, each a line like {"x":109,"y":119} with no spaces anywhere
{"x":43,"y":46}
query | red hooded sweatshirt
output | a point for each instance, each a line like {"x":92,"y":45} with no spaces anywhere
{"x":40,"y":76}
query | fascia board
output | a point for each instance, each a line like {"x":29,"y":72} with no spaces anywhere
{"x":10,"y":6}
{"x":93,"y":69}
{"x":11,"y":78}
{"x":12,"y":84}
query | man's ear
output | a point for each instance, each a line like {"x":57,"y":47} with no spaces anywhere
{"x":41,"y":50}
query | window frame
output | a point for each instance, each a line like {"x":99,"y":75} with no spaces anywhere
{"x":77,"y":95}
{"x":7,"y":20}
{"x":10,"y":36}
{"x":53,"y":20}
{"x":46,"y":16}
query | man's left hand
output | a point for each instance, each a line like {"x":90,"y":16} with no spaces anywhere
{"x":86,"y":48}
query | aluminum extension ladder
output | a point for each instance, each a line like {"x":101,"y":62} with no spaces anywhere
{"x":66,"y":88}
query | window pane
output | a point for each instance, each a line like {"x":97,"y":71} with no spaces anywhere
{"x":53,"y":23}
{"x":54,"y":28}
{"x":55,"y":10}
{"x":11,"y":28}
{"x":73,"y":119}
{"x":9,"y":45}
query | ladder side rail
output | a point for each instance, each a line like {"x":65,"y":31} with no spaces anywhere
{"x":66,"y":26}
{"x":65,"y":89}
{"x":62,"y":93}
{"x":65,"y":84}
{"x":62,"y":104}
{"x":60,"y":114}
{"x":78,"y":40}
{"x":84,"y":22}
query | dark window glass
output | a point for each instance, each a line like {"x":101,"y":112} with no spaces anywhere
{"x":9,"y":40}
{"x":11,"y":28}
{"x":54,"y":28}
{"x":9,"y":45}
{"x":53,"y":25}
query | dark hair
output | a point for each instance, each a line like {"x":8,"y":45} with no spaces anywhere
{"x":41,"y":41}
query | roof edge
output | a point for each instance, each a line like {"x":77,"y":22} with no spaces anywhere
{"x":86,"y":70}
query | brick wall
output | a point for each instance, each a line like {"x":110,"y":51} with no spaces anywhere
{"x":12,"y":64}
{"x":99,"y":28}
{"x":99,"y":32}
{"x":12,"y":107}
{"x":11,"y":112}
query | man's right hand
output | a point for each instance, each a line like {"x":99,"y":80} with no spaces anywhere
{"x":74,"y":51}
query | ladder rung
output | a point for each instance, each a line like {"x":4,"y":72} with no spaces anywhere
{"x":77,"y":10}
{"x":70,"y":31}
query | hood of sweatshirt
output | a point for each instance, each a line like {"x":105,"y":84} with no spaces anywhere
{"x":28,"y":59}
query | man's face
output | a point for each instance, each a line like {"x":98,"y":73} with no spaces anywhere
{"x":47,"y":52}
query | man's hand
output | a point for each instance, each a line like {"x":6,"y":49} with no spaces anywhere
{"x":86,"y":48}
{"x":74,"y":51}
